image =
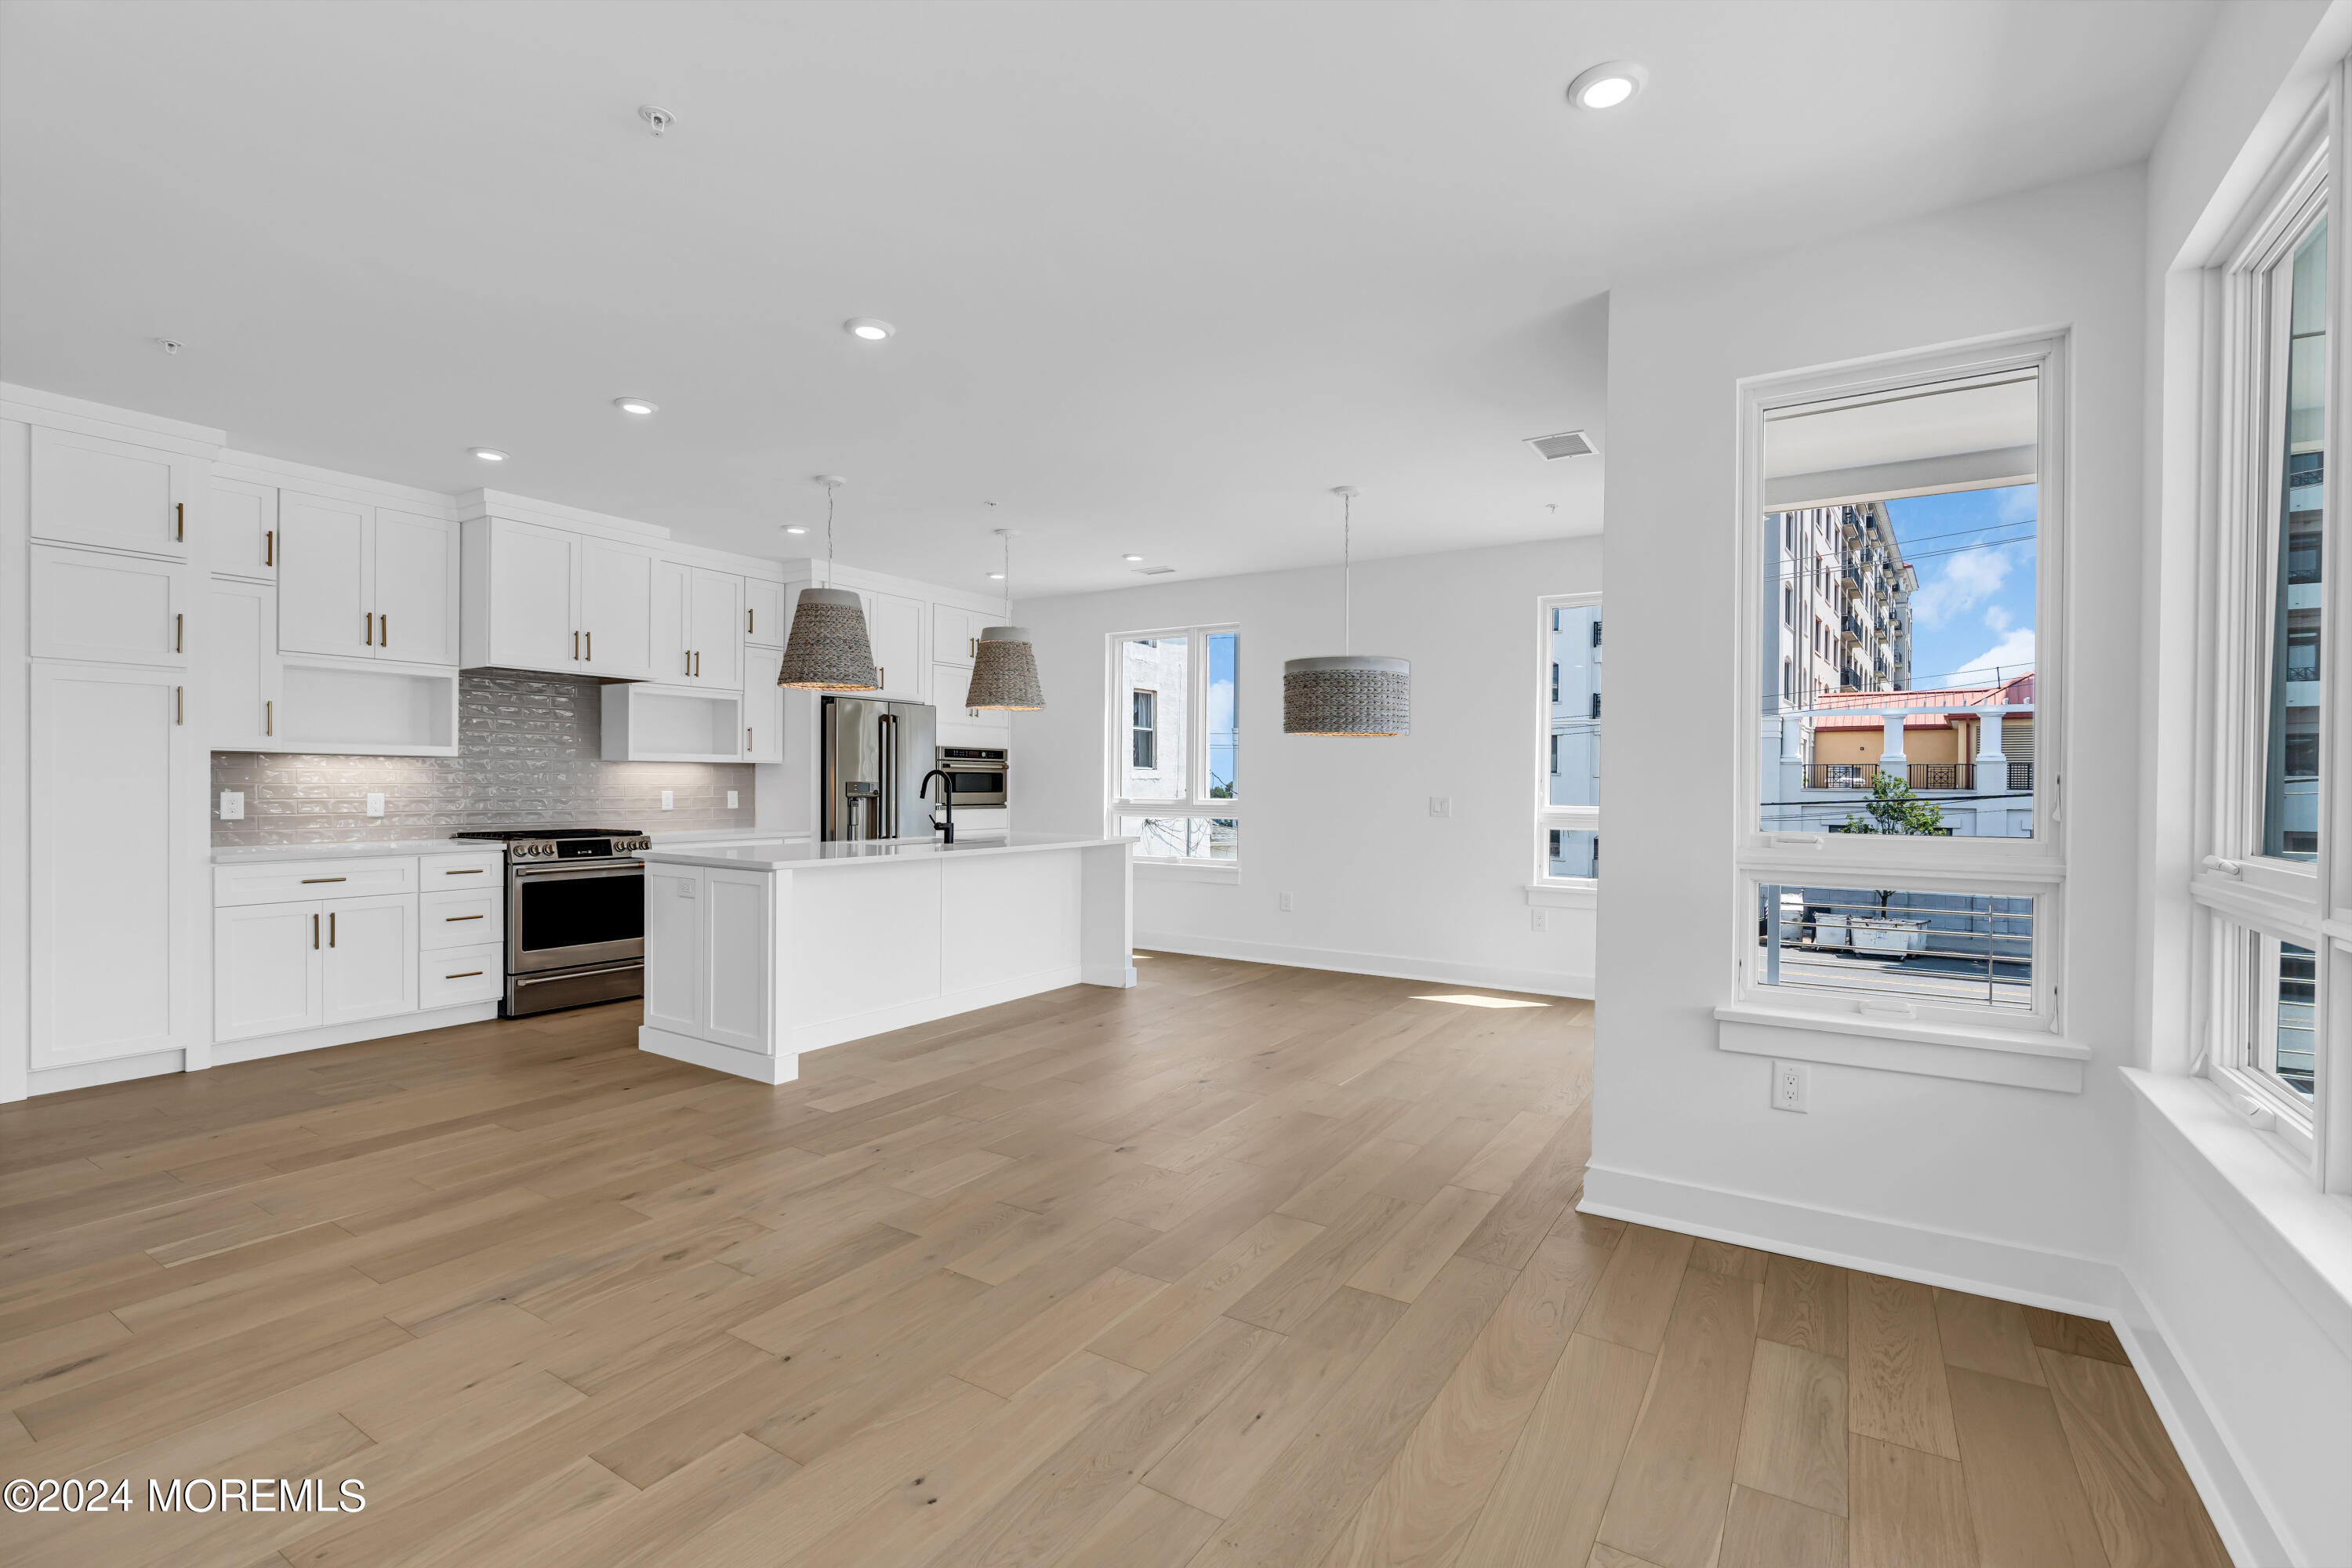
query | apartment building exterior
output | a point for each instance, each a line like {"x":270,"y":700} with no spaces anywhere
{"x":1575,"y":760}
{"x":1844,"y":612}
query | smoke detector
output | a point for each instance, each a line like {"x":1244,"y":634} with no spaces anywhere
{"x":1567,"y":444}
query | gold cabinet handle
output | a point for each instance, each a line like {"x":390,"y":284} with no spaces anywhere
{"x":462,"y":974}
{"x":269,"y":718}
{"x":179,"y":520}
{"x":314,"y":933}
{"x":466,"y":871}
{"x":330,"y":927}
{"x":747,"y":737}
{"x":179,"y":705}
{"x":308,"y":881}
{"x":383,"y":631}
{"x":179,"y":633}
{"x":270,"y":547}
{"x":453,"y":920}
{"x":592,"y":647}
{"x":747,"y":615}
{"x":371,"y":629}
{"x":575,"y":645}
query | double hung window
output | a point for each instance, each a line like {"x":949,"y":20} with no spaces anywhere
{"x":1567,"y":810}
{"x":1175,"y":747}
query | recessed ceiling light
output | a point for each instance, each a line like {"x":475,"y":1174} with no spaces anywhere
{"x":996,"y":576}
{"x":487,"y":454}
{"x":1130,"y":558}
{"x":793,"y":529}
{"x":639,"y":405}
{"x":867,"y":329}
{"x":1607,"y":85}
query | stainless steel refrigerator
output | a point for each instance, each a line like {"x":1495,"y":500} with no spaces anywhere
{"x":875,"y":754}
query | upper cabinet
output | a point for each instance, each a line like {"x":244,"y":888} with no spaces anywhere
{"x":546,"y":598}
{"x":955,"y":632}
{"x":697,"y":626}
{"x":616,"y":609}
{"x":244,"y":669}
{"x":243,"y":529}
{"x":89,"y":489}
{"x":895,"y":627}
{"x":365,"y":582}
{"x":765,"y":618}
{"x":107,"y":607}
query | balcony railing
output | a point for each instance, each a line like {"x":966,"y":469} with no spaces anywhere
{"x":2009,"y":776}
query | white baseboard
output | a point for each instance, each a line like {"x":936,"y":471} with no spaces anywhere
{"x":757,"y":1066}
{"x":2090,"y":1288}
{"x":266,"y":1046}
{"x":89,"y":1075}
{"x":1443,"y":972}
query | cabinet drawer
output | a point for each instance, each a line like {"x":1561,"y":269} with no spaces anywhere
{"x":281,"y":881}
{"x":454,"y":976}
{"x":461,"y":917}
{"x":474,"y":869}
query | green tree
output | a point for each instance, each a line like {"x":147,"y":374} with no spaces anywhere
{"x":1893,"y":807}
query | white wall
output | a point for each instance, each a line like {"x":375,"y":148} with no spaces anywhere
{"x":1378,"y":884}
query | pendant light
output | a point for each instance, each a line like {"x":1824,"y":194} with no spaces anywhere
{"x":1347,"y":693}
{"x":829,"y":650}
{"x":1003,"y":665}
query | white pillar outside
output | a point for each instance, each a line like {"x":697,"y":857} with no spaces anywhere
{"x":1988,"y":742}
{"x":1792,"y":772}
{"x":1891,"y":755}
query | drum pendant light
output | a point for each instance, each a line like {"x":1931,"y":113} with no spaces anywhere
{"x":1347,"y":693}
{"x":1003,"y":665}
{"x":829,"y":650}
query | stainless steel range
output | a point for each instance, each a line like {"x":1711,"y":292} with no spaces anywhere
{"x":575,"y":916}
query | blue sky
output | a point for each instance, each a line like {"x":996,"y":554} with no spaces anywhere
{"x":1974,"y":609}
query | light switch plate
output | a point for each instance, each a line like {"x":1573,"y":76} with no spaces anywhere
{"x":374,"y":804}
{"x":730,"y":800}
{"x":665,"y":800}
{"x":232,"y":806}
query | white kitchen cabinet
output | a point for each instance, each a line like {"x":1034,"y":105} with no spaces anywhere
{"x":89,"y":489}
{"x":950,"y":684}
{"x":546,"y":598}
{"x":461,"y":917}
{"x":615,"y":609}
{"x":955,"y":632}
{"x":674,"y":929}
{"x":763,"y":706}
{"x":457,"y":976}
{"x":243,"y":529}
{"x":895,"y":627}
{"x":737,"y":958}
{"x":113,"y":791}
{"x":371,"y":957}
{"x":268,"y":969}
{"x":766,"y":620}
{"x":114,"y":609}
{"x":413,"y":568}
{"x":649,"y":721}
{"x":698,"y":630}
{"x":323,"y":572}
{"x":241,"y":660}
{"x":284,"y":881}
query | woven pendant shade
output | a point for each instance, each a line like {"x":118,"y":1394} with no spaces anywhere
{"x":1347,"y":694}
{"x":829,"y":650}
{"x":1005,"y":672}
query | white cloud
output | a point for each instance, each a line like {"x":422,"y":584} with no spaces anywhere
{"x":2018,"y":503}
{"x":1970,"y":576}
{"x":1996,"y":617}
{"x":2013,"y":655}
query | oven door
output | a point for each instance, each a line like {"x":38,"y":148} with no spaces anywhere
{"x":561,"y":916}
{"x":975,"y":784}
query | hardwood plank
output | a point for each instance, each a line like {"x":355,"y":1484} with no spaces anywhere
{"x":1291,"y":1293}
{"x":2147,"y":1510}
{"x":1909,"y":1509}
{"x":2024,"y":1494}
{"x":1410,"y":1258}
{"x":1546,"y":1506}
{"x":1804,"y":1305}
{"x":1439,"y":1160}
{"x":1333,"y":1194}
{"x":1507,"y":1155}
{"x":2075,"y":1336}
{"x":1675,"y":1482}
{"x":1169,"y":1320}
{"x":1145,"y":1530}
{"x":1896,"y":1385}
{"x":1030,"y":1351}
{"x":1792,"y":1439}
{"x":1722,"y":1257}
{"x":1636,"y":1295}
{"x":1762,"y":1530}
{"x":1986,"y":1335}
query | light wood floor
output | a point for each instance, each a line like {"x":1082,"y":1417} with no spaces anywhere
{"x":1247,"y":1266}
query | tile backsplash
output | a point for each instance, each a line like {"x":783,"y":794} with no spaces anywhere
{"x":528,"y":749}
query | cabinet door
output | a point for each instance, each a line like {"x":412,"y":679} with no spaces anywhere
{"x":950,"y":684}
{"x":323,"y":600}
{"x":241,"y":660}
{"x":268,"y":963}
{"x":371,"y":957}
{"x":716,"y":630}
{"x":87,"y":490}
{"x":243,"y":529}
{"x":952,"y":640}
{"x":673,"y":619}
{"x":416,"y":596}
{"x":531,"y":598}
{"x":894,"y":626}
{"x":763,"y":706}
{"x":113,"y":792}
{"x":674,"y":949}
{"x":738,"y":958}
{"x":765,"y":619}
{"x":616,"y":610}
{"x":115,"y":609}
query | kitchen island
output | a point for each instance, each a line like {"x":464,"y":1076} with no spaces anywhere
{"x":756,"y":954}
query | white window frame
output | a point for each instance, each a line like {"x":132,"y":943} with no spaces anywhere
{"x":2034,"y":868}
{"x":1197,"y":802}
{"x":2246,"y":901}
{"x":1549,"y":817}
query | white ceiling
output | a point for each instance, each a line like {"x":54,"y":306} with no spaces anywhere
{"x":1162,"y":273}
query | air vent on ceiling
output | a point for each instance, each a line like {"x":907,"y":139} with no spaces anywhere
{"x":1567,"y":444}
{"x":1153,"y":570}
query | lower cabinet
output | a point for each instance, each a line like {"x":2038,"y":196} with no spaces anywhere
{"x":371,"y":957}
{"x":708,"y":965}
{"x":281,"y":967}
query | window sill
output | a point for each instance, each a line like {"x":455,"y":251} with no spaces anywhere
{"x":1576,"y":895}
{"x":2009,"y":1057}
{"x":1187,"y":871}
{"x":2304,"y":1235}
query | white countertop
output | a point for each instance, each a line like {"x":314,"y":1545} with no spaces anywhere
{"x":805,"y":856}
{"x":248,"y":854}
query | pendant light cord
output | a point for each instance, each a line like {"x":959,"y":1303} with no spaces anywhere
{"x":1008,"y":579}
{"x":1347,"y":574}
{"x":828,"y":534}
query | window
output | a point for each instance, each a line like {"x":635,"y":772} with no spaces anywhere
{"x":1568,"y":811}
{"x":1901,"y":848}
{"x":1147,"y":731}
{"x":2299,"y":426}
{"x":1173,"y":774}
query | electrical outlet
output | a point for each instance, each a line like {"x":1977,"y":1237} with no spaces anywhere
{"x":1282,"y":902}
{"x":730,"y":800}
{"x":374,"y":804}
{"x":232,"y":806}
{"x":1791,"y":1089}
{"x":1441,"y":805}
{"x":1538,"y":920}
{"x":667,"y":802}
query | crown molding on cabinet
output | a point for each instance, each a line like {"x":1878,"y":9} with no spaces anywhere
{"x":255,"y":468}
{"x":59,"y":412}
